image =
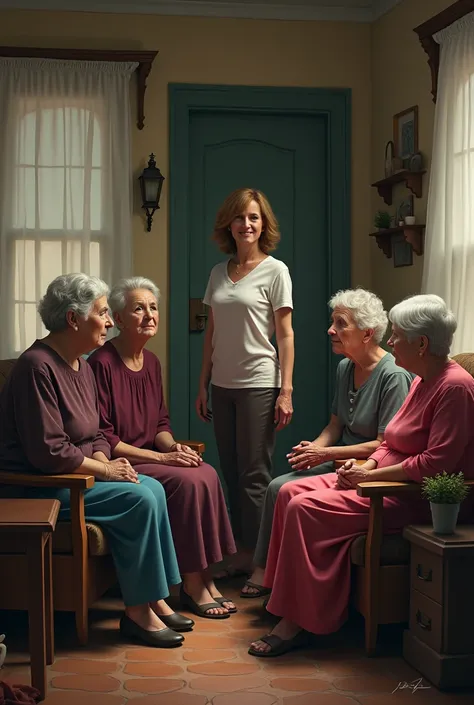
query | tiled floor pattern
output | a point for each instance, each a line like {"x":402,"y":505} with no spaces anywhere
{"x":214,"y":668}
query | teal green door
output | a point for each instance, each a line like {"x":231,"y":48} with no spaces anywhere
{"x":287,"y":157}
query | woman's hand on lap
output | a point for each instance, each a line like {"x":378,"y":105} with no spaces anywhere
{"x":307,"y":455}
{"x":120,"y":470}
{"x":350,"y":474}
{"x":181,"y":455}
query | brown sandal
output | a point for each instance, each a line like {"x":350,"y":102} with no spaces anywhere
{"x":221,"y":601}
{"x":201,"y":610}
{"x":279,"y":646}
{"x":262,"y":591}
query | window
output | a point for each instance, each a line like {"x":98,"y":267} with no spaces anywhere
{"x":57,"y":222}
{"x":65,"y":181}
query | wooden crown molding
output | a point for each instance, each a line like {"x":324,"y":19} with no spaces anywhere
{"x":435,"y":24}
{"x":143,"y":58}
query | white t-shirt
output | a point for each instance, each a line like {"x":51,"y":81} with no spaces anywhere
{"x":244,"y":323}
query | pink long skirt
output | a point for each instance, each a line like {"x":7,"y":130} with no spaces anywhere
{"x":309,"y":565}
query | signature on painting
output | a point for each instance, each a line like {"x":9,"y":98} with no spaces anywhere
{"x":413,"y":686}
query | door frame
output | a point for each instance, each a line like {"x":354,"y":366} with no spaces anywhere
{"x":334,"y":105}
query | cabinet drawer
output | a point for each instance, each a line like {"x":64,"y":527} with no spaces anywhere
{"x":426,"y":573}
{"x":426,"y":620}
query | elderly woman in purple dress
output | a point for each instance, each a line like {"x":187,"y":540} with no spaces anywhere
{"x":135,"y":421}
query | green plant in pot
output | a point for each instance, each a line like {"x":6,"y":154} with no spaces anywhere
{"x":445,"y":492}
{"x":382,"y":220}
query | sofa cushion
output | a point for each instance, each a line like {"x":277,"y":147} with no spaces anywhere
{"x":62,"y":541}
{"x":395,"y":550}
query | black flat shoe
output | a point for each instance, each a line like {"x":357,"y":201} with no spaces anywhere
{"x":177,"y":622}
{"x":162,"y":638}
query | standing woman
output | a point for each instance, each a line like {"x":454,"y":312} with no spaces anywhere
{"x":249,"y":298}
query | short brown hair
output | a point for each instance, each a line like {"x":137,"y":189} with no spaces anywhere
{"x":234,"y":205}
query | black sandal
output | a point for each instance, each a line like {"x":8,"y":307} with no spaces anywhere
{"x":262,"y":591}
{"x":201,"y":610}
{"x":221,"y":601}
{"x":279,"y":646}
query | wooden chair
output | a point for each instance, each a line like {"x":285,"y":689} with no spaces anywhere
{"x":83,"y":568}
{"x":381,"y":562}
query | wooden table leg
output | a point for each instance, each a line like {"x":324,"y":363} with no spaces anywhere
{"x":37,"y":611}
{"x":49,"y":611}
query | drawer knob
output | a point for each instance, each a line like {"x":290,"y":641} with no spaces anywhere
{"x":423,"y":623}
{"x":427,"y":577}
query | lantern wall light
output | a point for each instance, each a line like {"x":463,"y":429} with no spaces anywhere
{"x":151,"y":182}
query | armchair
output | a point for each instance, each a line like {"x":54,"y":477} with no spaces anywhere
{"x":381,"y":586}
{"x":83,"y":569}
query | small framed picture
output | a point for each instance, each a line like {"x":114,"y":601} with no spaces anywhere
{"x":405,"y":134}
{"x":402,"y":251}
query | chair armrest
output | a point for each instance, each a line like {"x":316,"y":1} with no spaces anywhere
{"x":70,"y":481}
{"x":195,"y":445}
{"x":392,"y":489}
{"x":339,"y":463}
{"x":387,"y":489}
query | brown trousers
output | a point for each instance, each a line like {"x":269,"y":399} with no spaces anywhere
{"x":245,"y":434}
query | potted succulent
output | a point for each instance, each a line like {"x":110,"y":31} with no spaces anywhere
{"x":382,"y":220}
{"x":445,"y":492}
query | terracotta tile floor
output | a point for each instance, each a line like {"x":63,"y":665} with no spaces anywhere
{"x":213,"y":666}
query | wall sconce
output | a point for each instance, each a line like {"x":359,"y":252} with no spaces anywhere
{"x":151,"y":182}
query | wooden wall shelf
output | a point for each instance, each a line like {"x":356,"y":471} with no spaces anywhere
{"x":414,"y":235}
{"x":412,"y":179}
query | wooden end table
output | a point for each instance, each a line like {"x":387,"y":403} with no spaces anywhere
{"x":440,"y":641}
{"x":34,"y":520}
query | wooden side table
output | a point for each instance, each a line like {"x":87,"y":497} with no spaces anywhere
{"x":34,"y":520}
{"x":440,"y":641}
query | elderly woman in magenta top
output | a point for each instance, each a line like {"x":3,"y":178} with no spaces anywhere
{"x":317,"y":518}
{"x":250,"y":298}
{"x":135,"y":421}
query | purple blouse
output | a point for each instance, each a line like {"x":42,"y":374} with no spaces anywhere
{"x":132,"y":407}
{"x":49,"y":416}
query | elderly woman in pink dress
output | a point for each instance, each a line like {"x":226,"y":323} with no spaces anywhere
{"x":316,"y":519}
{"x":134,"y":419}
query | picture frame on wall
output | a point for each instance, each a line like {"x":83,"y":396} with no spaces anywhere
{"x":405,"y":134}
{"x":402,"y":251}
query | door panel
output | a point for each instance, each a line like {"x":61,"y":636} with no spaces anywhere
{"x":285,"y":157}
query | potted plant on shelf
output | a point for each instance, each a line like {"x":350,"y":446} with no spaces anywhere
{"x":382,"y":220}
{"x":445,"y":492}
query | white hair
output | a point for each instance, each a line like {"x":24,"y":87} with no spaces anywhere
{"x":426,"y":314}
{"x":69,"y":292}
{"x":118,"y":295}
{"x":366,"y":309}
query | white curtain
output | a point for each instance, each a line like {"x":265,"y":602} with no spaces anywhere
{"x":65,"y":182}
{"x":449,"y":260}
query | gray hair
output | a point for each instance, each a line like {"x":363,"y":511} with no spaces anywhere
{"x":366,"y":309}
{"x":426,"y":314}
{"x":118,"y":295}
{"x":69,"y":292}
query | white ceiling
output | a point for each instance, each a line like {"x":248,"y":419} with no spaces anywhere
{"x":333,"y":10}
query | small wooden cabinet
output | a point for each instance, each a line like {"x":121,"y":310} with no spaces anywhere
{"x":440,"y":640}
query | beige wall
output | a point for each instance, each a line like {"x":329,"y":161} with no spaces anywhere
{"x":199,"y":50}
{"x":400,"y":78}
